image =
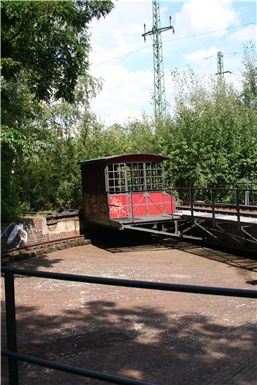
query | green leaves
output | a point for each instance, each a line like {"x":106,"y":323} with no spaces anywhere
{"x":249,"y":94}
{"x":213,"y":137}
{"x":49,"y":41}
{"x":45,"y":47}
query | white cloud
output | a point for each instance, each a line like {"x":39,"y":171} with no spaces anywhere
{"x":247,"y":33}
{"x":126,"y":91}
{"x":201,"y":56}
{"x":205,"y":62}
{"x":125,"y":94}
{"x":120,"y":32}
{"x":199,"y":16}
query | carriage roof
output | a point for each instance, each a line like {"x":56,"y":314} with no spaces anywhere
{"x":126,"y":158}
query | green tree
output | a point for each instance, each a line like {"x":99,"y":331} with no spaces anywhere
{"x":212,"y":139}
{"x":249,"y":94}
{"x":49,"y":41}
{"x":45,"y":48}
{"x":141,"y":137}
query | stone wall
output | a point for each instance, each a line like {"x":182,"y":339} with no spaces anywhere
{"x":33,"y":230}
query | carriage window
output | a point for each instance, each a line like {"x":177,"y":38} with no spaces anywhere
{"x":154,"y":176}
{"x":135,"y":177}
{"x":117,"y":178}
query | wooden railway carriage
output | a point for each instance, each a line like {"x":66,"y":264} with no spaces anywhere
{"x":125,"y":189}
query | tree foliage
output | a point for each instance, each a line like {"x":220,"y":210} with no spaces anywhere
{"x":212,"y":139}
{"x":45,"y":47}
{"x":249,"y":94}
{"x":49,"y":41}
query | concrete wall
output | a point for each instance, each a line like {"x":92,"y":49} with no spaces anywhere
{"x":32,"y":230}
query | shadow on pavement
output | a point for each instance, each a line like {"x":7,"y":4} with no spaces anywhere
{"x":139,"y":342}
{"x":36,"y":263}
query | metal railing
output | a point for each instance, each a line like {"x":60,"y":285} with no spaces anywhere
{"x":244,"y":197}
{"x":14,"y":356}
{"x":131,"y":204}
{"x":240,"y":201}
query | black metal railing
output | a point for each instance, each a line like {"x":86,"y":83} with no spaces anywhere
{"x":14,"y":356}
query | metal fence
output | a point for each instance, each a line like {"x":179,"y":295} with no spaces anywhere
{"x":236,"y":201}
{"x":227,"y":196}
{"x":14,"y":356}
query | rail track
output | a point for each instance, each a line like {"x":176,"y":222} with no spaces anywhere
{"x":42,"y":248}
{"x":250,"y":211}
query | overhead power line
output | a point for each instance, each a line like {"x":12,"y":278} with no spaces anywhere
{"x":151,"y":76}
{"x":174,"y":40}
{"x":210,"y":32}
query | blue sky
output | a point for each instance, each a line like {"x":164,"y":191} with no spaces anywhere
{"x":124,"y":62}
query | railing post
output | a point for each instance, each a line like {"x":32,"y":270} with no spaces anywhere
{"x":238,"y":210}
{"x":191,"y":197}
{"x":11,"y":327}
{"x":213,"y":208}
{"x":131,"y":205}
{"x":247,"y":197}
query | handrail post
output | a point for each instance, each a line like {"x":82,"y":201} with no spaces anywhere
{"x":191,"y":192}
{"x":131,"y":205}
{"x":213,"y":208}
{"x":11,"y":327}
{"x":238,"y":210}
{"x":247,"y":197}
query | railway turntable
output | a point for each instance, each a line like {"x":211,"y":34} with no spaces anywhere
{"x":129,"y":192}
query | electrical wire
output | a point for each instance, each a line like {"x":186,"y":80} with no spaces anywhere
{"x":150,"y":76}
{"x":174,"y":40}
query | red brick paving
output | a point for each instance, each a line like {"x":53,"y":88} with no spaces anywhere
{"x":158,"y":337}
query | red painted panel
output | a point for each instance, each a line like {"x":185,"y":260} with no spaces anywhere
{"x":144,"y":205}
{"x":119,"y":206}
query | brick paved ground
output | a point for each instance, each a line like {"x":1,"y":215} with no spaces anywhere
{"x":159,"y":337}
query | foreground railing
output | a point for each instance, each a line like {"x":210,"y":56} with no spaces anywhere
{"x":14,"y":356}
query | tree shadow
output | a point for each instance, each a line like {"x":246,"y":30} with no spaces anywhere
{"x":140,"y":342}
{"x":36,"y":262}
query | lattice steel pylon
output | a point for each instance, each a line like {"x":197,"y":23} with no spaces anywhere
{"x":220,"y":67}
{"x":159,"y":84}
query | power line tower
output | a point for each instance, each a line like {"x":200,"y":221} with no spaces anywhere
{"x":220,"y":67}
{"x":159,"y":84}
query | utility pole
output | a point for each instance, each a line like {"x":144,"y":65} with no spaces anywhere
{"x":159,"y":84}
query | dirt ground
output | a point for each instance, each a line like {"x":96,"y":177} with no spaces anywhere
{"x":158,"y":337}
